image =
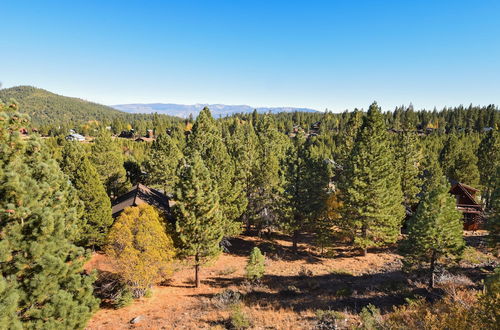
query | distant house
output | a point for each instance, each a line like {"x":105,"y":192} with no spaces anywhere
{"x":75,"y":137}
{"x":127,"y":134}
{"x":466,"y":203}
{"x":141,"y":194}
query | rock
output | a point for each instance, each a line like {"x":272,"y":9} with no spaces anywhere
{"x":137,"y":319}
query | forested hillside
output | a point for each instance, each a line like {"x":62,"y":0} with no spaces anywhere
{"x":52,"y":113}
{"x":45,"y":107}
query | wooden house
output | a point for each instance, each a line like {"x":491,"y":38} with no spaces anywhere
{"x":141,"y":194}
{"x":466,"y":203}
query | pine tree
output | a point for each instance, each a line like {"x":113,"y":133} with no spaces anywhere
{"x":324,"y":225}
{"x":434,"y":231}
{"x":265,"y":201}
{"x":140,"y":248}
{"x":371,"y":189}
{"x":162,"y":164}
{"x":96,"y":216}
{"x":40,"y":267}
{"x":449,"y":155}
{"x":465,"y":169}
{"x":108,"y":161}
{"x":256,"y":267}
{"x":493,"y":223}
{"x":206,"y":139}
{"x":199,"y":225}
{"x":244,"y":151}
{"x":408,"y":157}
{"x":305,"y":188}
{"x":488,"y":161}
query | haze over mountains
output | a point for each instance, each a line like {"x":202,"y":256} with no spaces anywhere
{"x":183,"y":110}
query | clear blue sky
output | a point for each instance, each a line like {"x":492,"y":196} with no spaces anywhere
{"x":321,"y":54}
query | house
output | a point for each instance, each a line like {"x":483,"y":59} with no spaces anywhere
{"x":466,"y":203}
{"x":127,"y":134}
{"x":141,"y":194}
{"x":75,"y":137}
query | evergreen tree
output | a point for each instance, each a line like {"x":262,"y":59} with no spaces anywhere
{"x":408,"y":157}
{"x":449,"y":155}
{"x":41,"y":285}
{"x":465,"y":169}
{"x":493,"y":223}
{"x":267,"y":197}
{"x":324,"y":225}
{"x":243,"y":148}
{"x":256,"y":267}
{"x":108,"y":161}
{"x":96,"y":216}
{"x":162,"y":164}
{"x":488,"y":161}
{"x":371,"y":190}
{"x":434,"y":231}
{"x":305,"y":188}
{"x":206,"y":139}
{"x":199,"y":225}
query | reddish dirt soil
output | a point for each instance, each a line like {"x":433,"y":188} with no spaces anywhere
{"x":179,"y":305}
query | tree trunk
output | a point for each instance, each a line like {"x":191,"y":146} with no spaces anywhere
{"x":295,"y":239}
{"x":432,"y":269}
{"x":196,"y":271}
{"x":364,"y":234}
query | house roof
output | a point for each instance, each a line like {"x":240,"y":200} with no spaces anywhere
{"x":138,"y":195}
{"x":463,"y":189}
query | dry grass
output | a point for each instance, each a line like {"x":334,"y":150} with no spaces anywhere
{"x":289,"y":296}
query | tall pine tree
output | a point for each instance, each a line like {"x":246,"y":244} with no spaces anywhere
{"x":41,"y":285}
{"x":489,"y":161}
{"x":199,"y":225}
{"x":206,"y":139}
{"x":108,"y":161}
{"x":408,"y":158}
{"x":96,"y":216}
{"x":371,"y":189}
{"x":434,"y":231}
{"x":162,"y":164}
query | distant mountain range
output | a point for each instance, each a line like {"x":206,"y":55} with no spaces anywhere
{"x":183,"y":110}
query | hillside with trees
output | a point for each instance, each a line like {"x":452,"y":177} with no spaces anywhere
{"x":290,"y":220}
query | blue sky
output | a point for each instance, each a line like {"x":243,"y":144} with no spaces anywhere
{"x":320,"y":54}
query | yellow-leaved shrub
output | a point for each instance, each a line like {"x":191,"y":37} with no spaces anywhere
{"x":141,"y":249}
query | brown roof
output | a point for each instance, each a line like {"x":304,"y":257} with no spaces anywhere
{"x":138,"y":195}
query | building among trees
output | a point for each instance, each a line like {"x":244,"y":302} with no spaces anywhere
{"x":467,"y":204}
{"x":141,"y":194}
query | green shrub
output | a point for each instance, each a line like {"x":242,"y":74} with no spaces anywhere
{"x":328,"y":319}
{"x":344,"y":292}
{"x":124,"y":299}
{"x":371,"y":318}
{"x":239,"y":319}
{"x":256,"y":265}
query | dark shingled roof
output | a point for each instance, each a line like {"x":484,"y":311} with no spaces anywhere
{"x":138,"y":195}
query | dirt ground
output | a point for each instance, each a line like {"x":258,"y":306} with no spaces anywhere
{"x":293,"y":289}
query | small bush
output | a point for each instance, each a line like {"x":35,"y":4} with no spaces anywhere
{"x":334,"y":271}
{"x":148,"y":293}
{"x":344,"y":292}
{"x":125,"y":298}
{"x":304,"y":272}
{"x":291,"y":290}
{"x":225,"y":298}
{"x":328,"y":319}
{"x":239,"y":319}
{"x":256,"y":265}
{"x":473,"y":257}
{"x":371,"y":318}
